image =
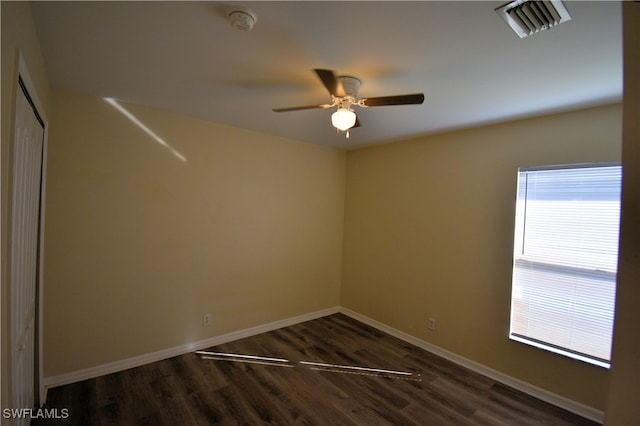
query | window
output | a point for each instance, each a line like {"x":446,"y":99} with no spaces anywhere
{"x":565,"y":259}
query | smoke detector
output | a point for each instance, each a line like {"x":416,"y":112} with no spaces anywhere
{"x":527,"y":17}
{"x":242,"y":19}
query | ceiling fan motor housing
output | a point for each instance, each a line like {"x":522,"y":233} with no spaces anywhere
{"x":351,"y":86}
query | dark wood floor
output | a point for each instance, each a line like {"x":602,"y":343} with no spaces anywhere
{"x":193,"y":390}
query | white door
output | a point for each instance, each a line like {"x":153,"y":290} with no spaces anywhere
{"x":25,"y":236}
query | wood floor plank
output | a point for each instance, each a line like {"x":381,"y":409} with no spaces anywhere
{"x":352,"y":390}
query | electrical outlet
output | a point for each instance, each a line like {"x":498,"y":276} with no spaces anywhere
{"x":206,"y":320}
{"x":432,"y":324}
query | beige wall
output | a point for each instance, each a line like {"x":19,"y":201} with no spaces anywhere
{"x":141,"y":244}
{"x":18,"y":35}
{"x":623,"y":406}
{"x":429,"y":233}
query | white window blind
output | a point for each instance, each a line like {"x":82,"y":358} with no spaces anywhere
{"x":565,"y":259}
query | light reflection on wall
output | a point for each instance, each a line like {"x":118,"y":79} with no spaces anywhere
{"x":143,"y":127}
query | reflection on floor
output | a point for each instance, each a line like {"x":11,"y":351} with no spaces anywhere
{"x":316,"y":366}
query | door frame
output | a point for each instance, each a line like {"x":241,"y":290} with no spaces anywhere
{"x":23,"y":74}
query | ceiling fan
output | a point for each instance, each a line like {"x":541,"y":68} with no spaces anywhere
{"x":344,"y":95}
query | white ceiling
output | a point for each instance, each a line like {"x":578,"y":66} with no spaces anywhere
{"x":185,"y":57}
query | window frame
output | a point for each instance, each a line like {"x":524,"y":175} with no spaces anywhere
{"x":519,"y":244}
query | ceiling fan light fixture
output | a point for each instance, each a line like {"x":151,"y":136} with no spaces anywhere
{"x":343,"y":119}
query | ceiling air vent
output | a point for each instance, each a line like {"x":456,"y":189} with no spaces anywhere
{"x":527,"y":17}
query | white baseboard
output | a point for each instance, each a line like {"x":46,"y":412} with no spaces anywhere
{"x":113,"y":367}
{"x":552,"y":398}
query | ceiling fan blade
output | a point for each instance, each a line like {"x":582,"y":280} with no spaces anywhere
{"x":300,"y":108}
{"x":358,"y":123}
{"x":331,"y":82}
{"x":413,"y":99}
